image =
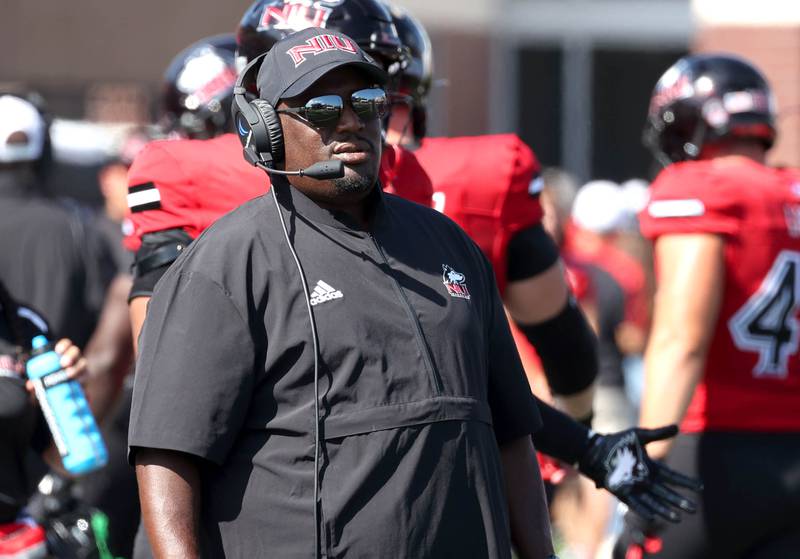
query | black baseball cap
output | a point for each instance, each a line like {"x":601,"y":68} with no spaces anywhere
{"x":298,"y":60}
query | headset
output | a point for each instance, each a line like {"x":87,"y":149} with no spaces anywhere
{"x":259,"y":129}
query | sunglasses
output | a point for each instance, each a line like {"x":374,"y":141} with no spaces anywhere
{"x":326,"y":110}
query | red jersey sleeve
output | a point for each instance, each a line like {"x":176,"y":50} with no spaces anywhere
{"x":525,"y":185}
{"x":158,"y":193}
{"x":518,"y":188}
{"x":691,"y":197}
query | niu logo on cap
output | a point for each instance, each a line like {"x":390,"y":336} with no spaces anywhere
{"x":455,"y":282}
{"x":318,"y":45}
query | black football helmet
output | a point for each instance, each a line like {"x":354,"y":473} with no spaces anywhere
{"x":706,"y":98}
{"x":416,"y":73}
{"x":198,"y":88}
{"x":368,"y":22}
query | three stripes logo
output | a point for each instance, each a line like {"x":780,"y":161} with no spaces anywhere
{"x":324,"y":292}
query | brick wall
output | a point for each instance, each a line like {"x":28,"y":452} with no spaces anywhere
{"x":776,"y":50}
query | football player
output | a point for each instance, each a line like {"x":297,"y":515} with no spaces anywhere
{"x":165,"y":214}
{"x":503,"y":216}
{"x":723,"y":353}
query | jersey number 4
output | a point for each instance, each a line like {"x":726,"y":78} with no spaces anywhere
{"x":767,"y":324}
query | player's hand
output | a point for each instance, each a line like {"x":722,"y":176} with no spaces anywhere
{"x":619,"y":463}
{"x":72,"y":361}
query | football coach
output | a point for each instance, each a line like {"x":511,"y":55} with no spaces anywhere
{"x":328,"y":371}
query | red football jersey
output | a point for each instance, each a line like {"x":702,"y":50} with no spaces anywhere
{"x":752,"y":375}
{"x":484,"y":184}
{"x":188,"y":184}
{"x":401,"y":174}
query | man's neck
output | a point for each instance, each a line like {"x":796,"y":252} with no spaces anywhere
{"x":357,"y":206}
{"x":358,"y":210}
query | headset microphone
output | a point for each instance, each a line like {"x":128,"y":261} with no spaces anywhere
{"x":322,"y":170}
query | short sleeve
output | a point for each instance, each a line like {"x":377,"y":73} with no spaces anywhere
{"x":159,"y":194}
{"x":521,"y":208}
{"x":522,"y":205}
{"x":514,"y":410}
{"x":685,"y":199}
{"x":194,"y":374}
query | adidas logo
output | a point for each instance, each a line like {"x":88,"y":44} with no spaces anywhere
{"x":324,"y":292}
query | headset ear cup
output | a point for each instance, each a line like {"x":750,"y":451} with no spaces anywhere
{"x":274,"y":129}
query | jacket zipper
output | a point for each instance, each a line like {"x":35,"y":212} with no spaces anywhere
{"x":437,"y":380}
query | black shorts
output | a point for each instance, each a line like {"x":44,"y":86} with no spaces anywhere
{"x":749,"y":509}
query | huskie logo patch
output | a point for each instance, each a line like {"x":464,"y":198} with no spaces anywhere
{"x":455,"y":282}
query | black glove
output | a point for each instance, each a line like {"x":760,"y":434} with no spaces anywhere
{"x":619,"y":463}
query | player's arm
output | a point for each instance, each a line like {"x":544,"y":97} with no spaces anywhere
{"x":161,"y":203}
{"x":157,"y":252}
{"x":539,"y":301}
{"x":169,"y":491}
{"x":109,"y":353}
{"x":687,"y":302}
{"x":138,"y":311}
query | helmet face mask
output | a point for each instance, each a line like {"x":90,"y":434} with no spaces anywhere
{"x":198,"y":88}
{"x":708,"y":99}
{"x":413,"y":81}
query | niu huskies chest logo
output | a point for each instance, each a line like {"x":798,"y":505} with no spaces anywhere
{"x":318,"y":45}
{"x":455,"y":282}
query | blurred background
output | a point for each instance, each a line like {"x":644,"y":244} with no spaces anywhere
{"x":571,"y":77}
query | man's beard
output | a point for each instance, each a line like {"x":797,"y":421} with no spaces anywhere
{"x":354,"y":184}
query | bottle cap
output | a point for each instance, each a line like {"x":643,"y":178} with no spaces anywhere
{"x":39,"y":341}
{"x":39,"y":345}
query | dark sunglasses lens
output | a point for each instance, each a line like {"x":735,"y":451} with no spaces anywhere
{"x":369,"y":103}
{"x":324,"y":110}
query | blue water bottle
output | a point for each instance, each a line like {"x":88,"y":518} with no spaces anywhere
{"x":66,"y":410}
